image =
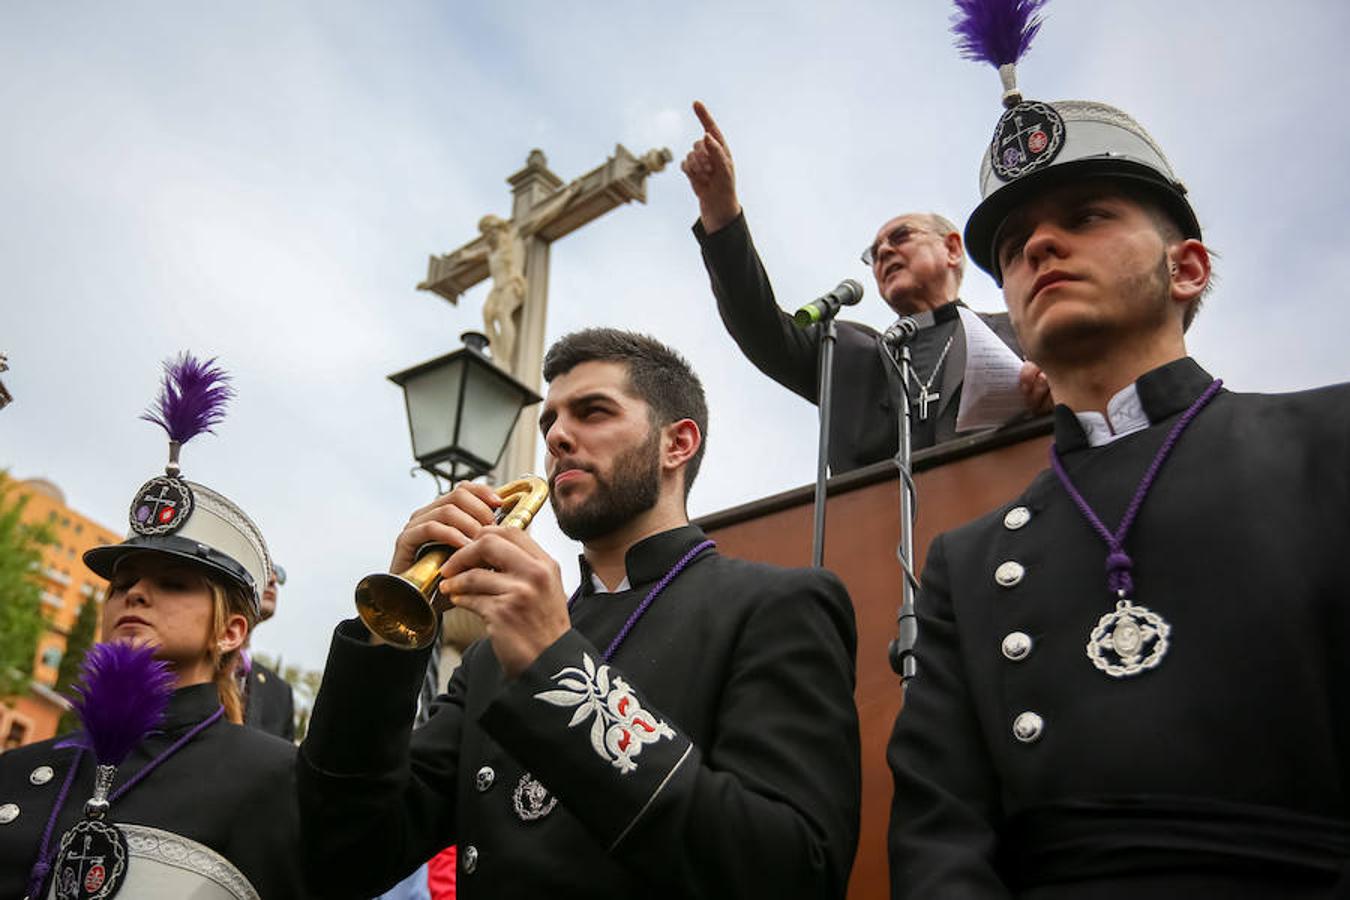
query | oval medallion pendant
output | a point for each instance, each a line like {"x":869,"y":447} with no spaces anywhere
{"x":1129,"y":640}
{"x":531,"y":799}
{"x":92,"y":862}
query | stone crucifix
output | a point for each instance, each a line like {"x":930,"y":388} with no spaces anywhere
{"x":514,"y":254}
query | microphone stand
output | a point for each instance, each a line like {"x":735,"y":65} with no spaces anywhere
{"x":825,"y":399}
{"x":901,"y":649}
{"x":822,"y":311}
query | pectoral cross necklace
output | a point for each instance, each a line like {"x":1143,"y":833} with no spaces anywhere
{"x":926,"y":393}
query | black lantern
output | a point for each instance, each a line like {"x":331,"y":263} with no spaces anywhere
{"x":461,"y":410}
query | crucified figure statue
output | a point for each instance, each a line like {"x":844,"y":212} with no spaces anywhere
{"x":506,"y":267}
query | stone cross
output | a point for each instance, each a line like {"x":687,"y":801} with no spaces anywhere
{"x":514,"y":254}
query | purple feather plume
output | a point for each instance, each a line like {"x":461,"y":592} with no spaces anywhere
{"x":192,"y":398}
{"x":121,"y":697}
{"x":998,"y":32}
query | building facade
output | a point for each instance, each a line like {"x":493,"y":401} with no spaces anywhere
{"x":66,"y":586}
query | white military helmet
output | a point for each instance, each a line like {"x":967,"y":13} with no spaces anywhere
{"x":182,"y":518}
{"x":1038,"y":145}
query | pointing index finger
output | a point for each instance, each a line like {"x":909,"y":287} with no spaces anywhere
{"x":709,"y":124}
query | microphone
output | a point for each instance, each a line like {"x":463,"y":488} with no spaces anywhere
{"x":848,"y":293}
{"x":899,"y":334}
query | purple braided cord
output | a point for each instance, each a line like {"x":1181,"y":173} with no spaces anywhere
{"x":1118,"y":562}
{"x":45,"y":859}
{"x":647,"y":601}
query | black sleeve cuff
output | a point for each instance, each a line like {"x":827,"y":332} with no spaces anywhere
{"x":734,"y":231}
{"x":366,"y":704}
{"x":588,"y":736}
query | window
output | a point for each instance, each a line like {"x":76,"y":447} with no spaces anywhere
{"x":51,"y":657}
{"x":18,"y":731}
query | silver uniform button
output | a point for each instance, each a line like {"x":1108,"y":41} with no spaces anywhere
{"x":1027,"y":727}
{"x":1016,"y":517}
{"x":8,"y":813}
{"x":1017,"y":645}
{"x":1009,"y":573}
{"x":470,"y":859}
{"x":485,"y":778}
{"x":41,"y":775}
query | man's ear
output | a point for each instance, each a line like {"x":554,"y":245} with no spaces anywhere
{"x":955,"y":251}
{"x":680,"y":441}
{"x":1188,"y":270}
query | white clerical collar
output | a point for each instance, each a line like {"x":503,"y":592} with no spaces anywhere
{"x":598,"y":586}
{"x":1124,"y":415}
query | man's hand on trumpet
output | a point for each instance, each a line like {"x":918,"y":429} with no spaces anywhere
{"x":499,"y":573}
{"x":453,"y":519}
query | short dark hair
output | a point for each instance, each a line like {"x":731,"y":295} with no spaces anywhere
{"x":658,"y":375}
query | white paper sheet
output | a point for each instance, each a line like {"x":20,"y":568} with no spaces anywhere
{"x":989,"y":393}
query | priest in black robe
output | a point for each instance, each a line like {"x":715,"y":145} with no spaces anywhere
{"x":918,"y":263}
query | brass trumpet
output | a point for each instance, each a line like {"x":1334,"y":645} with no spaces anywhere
{"x":404,"y":609}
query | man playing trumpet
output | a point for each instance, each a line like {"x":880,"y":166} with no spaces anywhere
{"x":682,"y":726}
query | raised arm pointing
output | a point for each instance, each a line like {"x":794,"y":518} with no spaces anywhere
{"x":712,"y":174}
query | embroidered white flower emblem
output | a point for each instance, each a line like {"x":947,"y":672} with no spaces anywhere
{"x":621,"y":726}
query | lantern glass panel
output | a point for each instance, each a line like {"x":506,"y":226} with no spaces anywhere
{"x":433,"y":405}
{"x":491,"y":407}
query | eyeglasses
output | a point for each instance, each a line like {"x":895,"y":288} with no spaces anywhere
{"x":896,"y":237}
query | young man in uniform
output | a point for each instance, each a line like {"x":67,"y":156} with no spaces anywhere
{"x":683,"y":726}
{"x":1130,"y":679}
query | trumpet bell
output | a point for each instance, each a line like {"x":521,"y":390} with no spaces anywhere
{"x":392,"y":607}
{"x":404,"y":610}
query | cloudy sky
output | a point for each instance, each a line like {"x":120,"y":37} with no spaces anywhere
{"x":263,"y":182}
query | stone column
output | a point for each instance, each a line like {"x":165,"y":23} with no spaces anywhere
{"x":530,"y":186}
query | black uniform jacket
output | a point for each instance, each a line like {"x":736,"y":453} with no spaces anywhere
{"x":1223,"y":771}
{"x":863,"y":423}
{"x":230,"y":788}
{"x":716,"y":756}
{"x":269,"y":703}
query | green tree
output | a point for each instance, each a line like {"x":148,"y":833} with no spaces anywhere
{"x":81,"y":637}
{"x":21,"y":619}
